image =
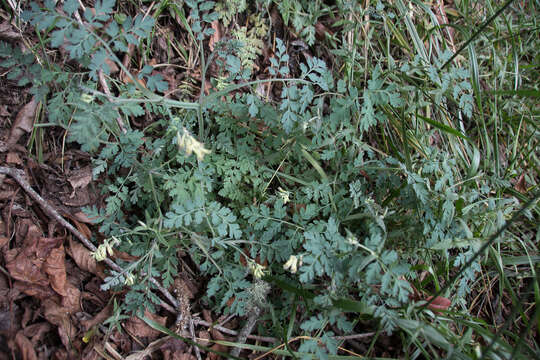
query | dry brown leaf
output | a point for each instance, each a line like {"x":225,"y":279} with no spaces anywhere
{"x":521,"y":184}
{"x":216,"y":36}
{"x":8,"y":32}
{"x":25,"y":347}
{"x":100,"y":317}
{"x":172,"y":345}
{"x":6,"y":320}
{"x":55,"y":268}
{"x":27,"y":316}
{"x":3,"y":241}
{"x":83,"y":229}
{"x":124,"y":256}
{"x":45,"y":246}
{"x":82,"y":217}
{"x":147,"y":352}
{"x":83,"y":258}
{"x":72,"y":300}
{"x":439,"y":303}
{"x":217,"y":348}
{"x":183,"y":356}
{"x":13,"y":158}
{"x":37,"y":291}
{"x":27,"y":263}
{"x":113,"y":68}
{"x":24,"y":266}
{"x":139,"y":328}
{"x":204,"y":338}
{"x":58,"y":315}
{"x":112,"y":351}
{"x":37,"y":331}
{"x":80,"y":178}
{"x":24,"y":122}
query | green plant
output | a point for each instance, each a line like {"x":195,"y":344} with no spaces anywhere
{"x":346,"y":196}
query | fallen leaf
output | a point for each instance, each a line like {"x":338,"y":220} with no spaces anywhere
{"x":82,"y":217}
{"x":24,"y":266}
{"x":6,"y":320}
{"x":439,"y":303}
{"x":3,"y":241}
{"x":13,"y":158}
{"x":8,"y":32}
{"x":184,"y":356}
{"x":216,"y":36}
{"x":321,"y":30}
{"x":83,"y":258}
{"x":26,"y":263}
{"x":147,"y":352}
{"x":55,"y":268}
{"x":122,"y":255}
{"x":173,"y":345}
{"x":37,"y":291}
{"x":24,"y":121}
{"x":521,"y":184}
{"x":113,"y":68}
{"x":100,"y":317}
{"x":45,"y":246}
{"x":83,"y":229}
{"x":58,"y":315}
{"x":27,"y":316}
{"x":25,"y":347}
{"x":217,"y":348}
{"x":139,"y":328}
{"x":204,"y":338}
{"x":72,"y":300}
{"x":3,"y":111}
{"x":80,"y":178}
{"x":37,"y":331}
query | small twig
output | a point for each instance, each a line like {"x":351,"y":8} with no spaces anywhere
{"x":194,"y":338}
{"x":353,"y":336}
{"x":18,"y":176}
{"x":232,"y":332}
{"x":247,"y":329}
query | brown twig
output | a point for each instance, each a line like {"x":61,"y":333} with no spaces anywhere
{"x":194,"y":338}
{"x":233,"y":332}
{"x":246,"y":330}
{"x":19,"y":177}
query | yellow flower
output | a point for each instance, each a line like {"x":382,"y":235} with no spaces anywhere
{"x":291,"y":264}
{"x":130,"y":279}
{"x":190,"y":145}
{"x":256,"y":269}
{"x":101,"y":253}
{"x":284,"y":195}
{"x":106,"y":248}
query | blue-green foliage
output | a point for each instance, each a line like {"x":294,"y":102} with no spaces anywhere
{"x":292,"y":180}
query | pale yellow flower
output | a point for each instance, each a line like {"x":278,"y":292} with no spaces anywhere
{"x":190,"y":145}
{"x":256,"y":269}
{"x":284,"y":195}
{"x":291,"y":264}
{"x":130,"y":279}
